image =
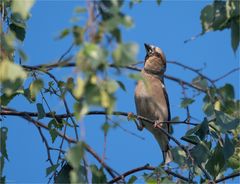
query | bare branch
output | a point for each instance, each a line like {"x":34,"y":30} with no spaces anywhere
{"x":225,"y":75}
{"x":159,"y":127}
{"x":130,"y":67}
{"x":231,"y":176}
{"x":146,"y":167}
{"x":11,"y":112}
{"x":66,"y":52}
{"x":71,"y":140}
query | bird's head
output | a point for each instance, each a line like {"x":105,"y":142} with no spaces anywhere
{"x":155,"y":60}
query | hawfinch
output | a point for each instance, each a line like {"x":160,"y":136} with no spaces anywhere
{"x":151,"y":98}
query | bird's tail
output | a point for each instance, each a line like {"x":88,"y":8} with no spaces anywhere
{"x":167,"y":156}
{"x":163,"y":143}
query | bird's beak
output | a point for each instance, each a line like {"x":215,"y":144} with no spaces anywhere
{"x":147,"y":47}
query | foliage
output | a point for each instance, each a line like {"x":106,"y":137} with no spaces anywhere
{"x":213,"y":143}
{"x":222,"y":15}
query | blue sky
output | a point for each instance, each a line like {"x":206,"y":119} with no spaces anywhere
{"x":166,"y":26}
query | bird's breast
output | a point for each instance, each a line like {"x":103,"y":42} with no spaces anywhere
{"x":150,"y":100}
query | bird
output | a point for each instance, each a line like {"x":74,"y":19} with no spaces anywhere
{"x":151,"y":98}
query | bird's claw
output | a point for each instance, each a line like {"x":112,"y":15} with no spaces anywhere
{"x":157,"y":124}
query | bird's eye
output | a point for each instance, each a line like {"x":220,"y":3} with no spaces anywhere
{"x":151,"y":51}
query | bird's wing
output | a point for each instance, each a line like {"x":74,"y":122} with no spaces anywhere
{"x":168,"y":106}
{"x":138,"y":105}
{"x":167,"y":102}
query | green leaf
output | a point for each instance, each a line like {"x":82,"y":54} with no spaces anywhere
{"x":51,"y":169}
{"x":186,"y":101}
{"x":233,"y":162}
{"x":105,"y":127}
{"x":80,"y":10}
{"x":35,"y":87}
{"x":78,"y":175}
{"x":159,"y":2}
{"x":79,"y":89}
{"x":133,"y":2}
{"x":92,"y":58}
{"x":22,"y":55}
{"x":11,"y":76}
{"x":226,"y":122}
{"x":5,"y":99}
{"x":75,"y":154}
{"x":179,"y":156}
{"x":235,"y":38}
{"x":213,"y":17}
{"x":80,"y":110}
{"x":121,"y":85}
{"x":110,"y":85}
{"x":167,"y":181}
{"x":63,"y":34}
{"x":200,"y":82}
{"x":175,"y":119}
{"x":64,"y":174}
{"x":127,"y":21}
{"x":208,"y":109}
{"x":200,"y":152}
{"x":56,"y":123}
{"x":18,"y":31}
{"x":54,"y":134}
{"x":136,"y":76}
{"x":132,"y":179}
{"x":216,"y":161}
{"x":3,"y":147}
{"x":105,"y":99}
{"x":78,"y":33}
{"x":193,"y":139}
{"x":125,"y":54}
{"x":228,"y":148}
{"x":227,"y":92}
{"x":98,"y":176}
{"x":203,"y":129}
{"x":74,"y":176}
{"x":22,"y":7}
{"x":41,"y":112}
{"x":2,"y":178}
{"x":192,"y":130}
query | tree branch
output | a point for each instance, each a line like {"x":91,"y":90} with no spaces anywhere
{"x":159,"y":127}
{"x":65,"y":63}
{"x":225,"y":75}
{"x":231,"y":176}
{"x":71,"y":140}
{"x":146,"y":167}
{"x":11,"y":112}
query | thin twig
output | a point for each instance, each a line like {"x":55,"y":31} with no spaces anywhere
{"x":225,"y":75}
{"x":46,"y":144}
{"x":27,"y":117}
{"x":65,"y":53}
{"x":64,"y":102}
{"x":57,"y":149}
{"x":146,"y":167}
{"x":71,"y":140}
{"x":126,"y":130}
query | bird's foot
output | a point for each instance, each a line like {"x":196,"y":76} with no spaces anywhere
{"x":157,"y":124}
{"x":133,"y":117}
